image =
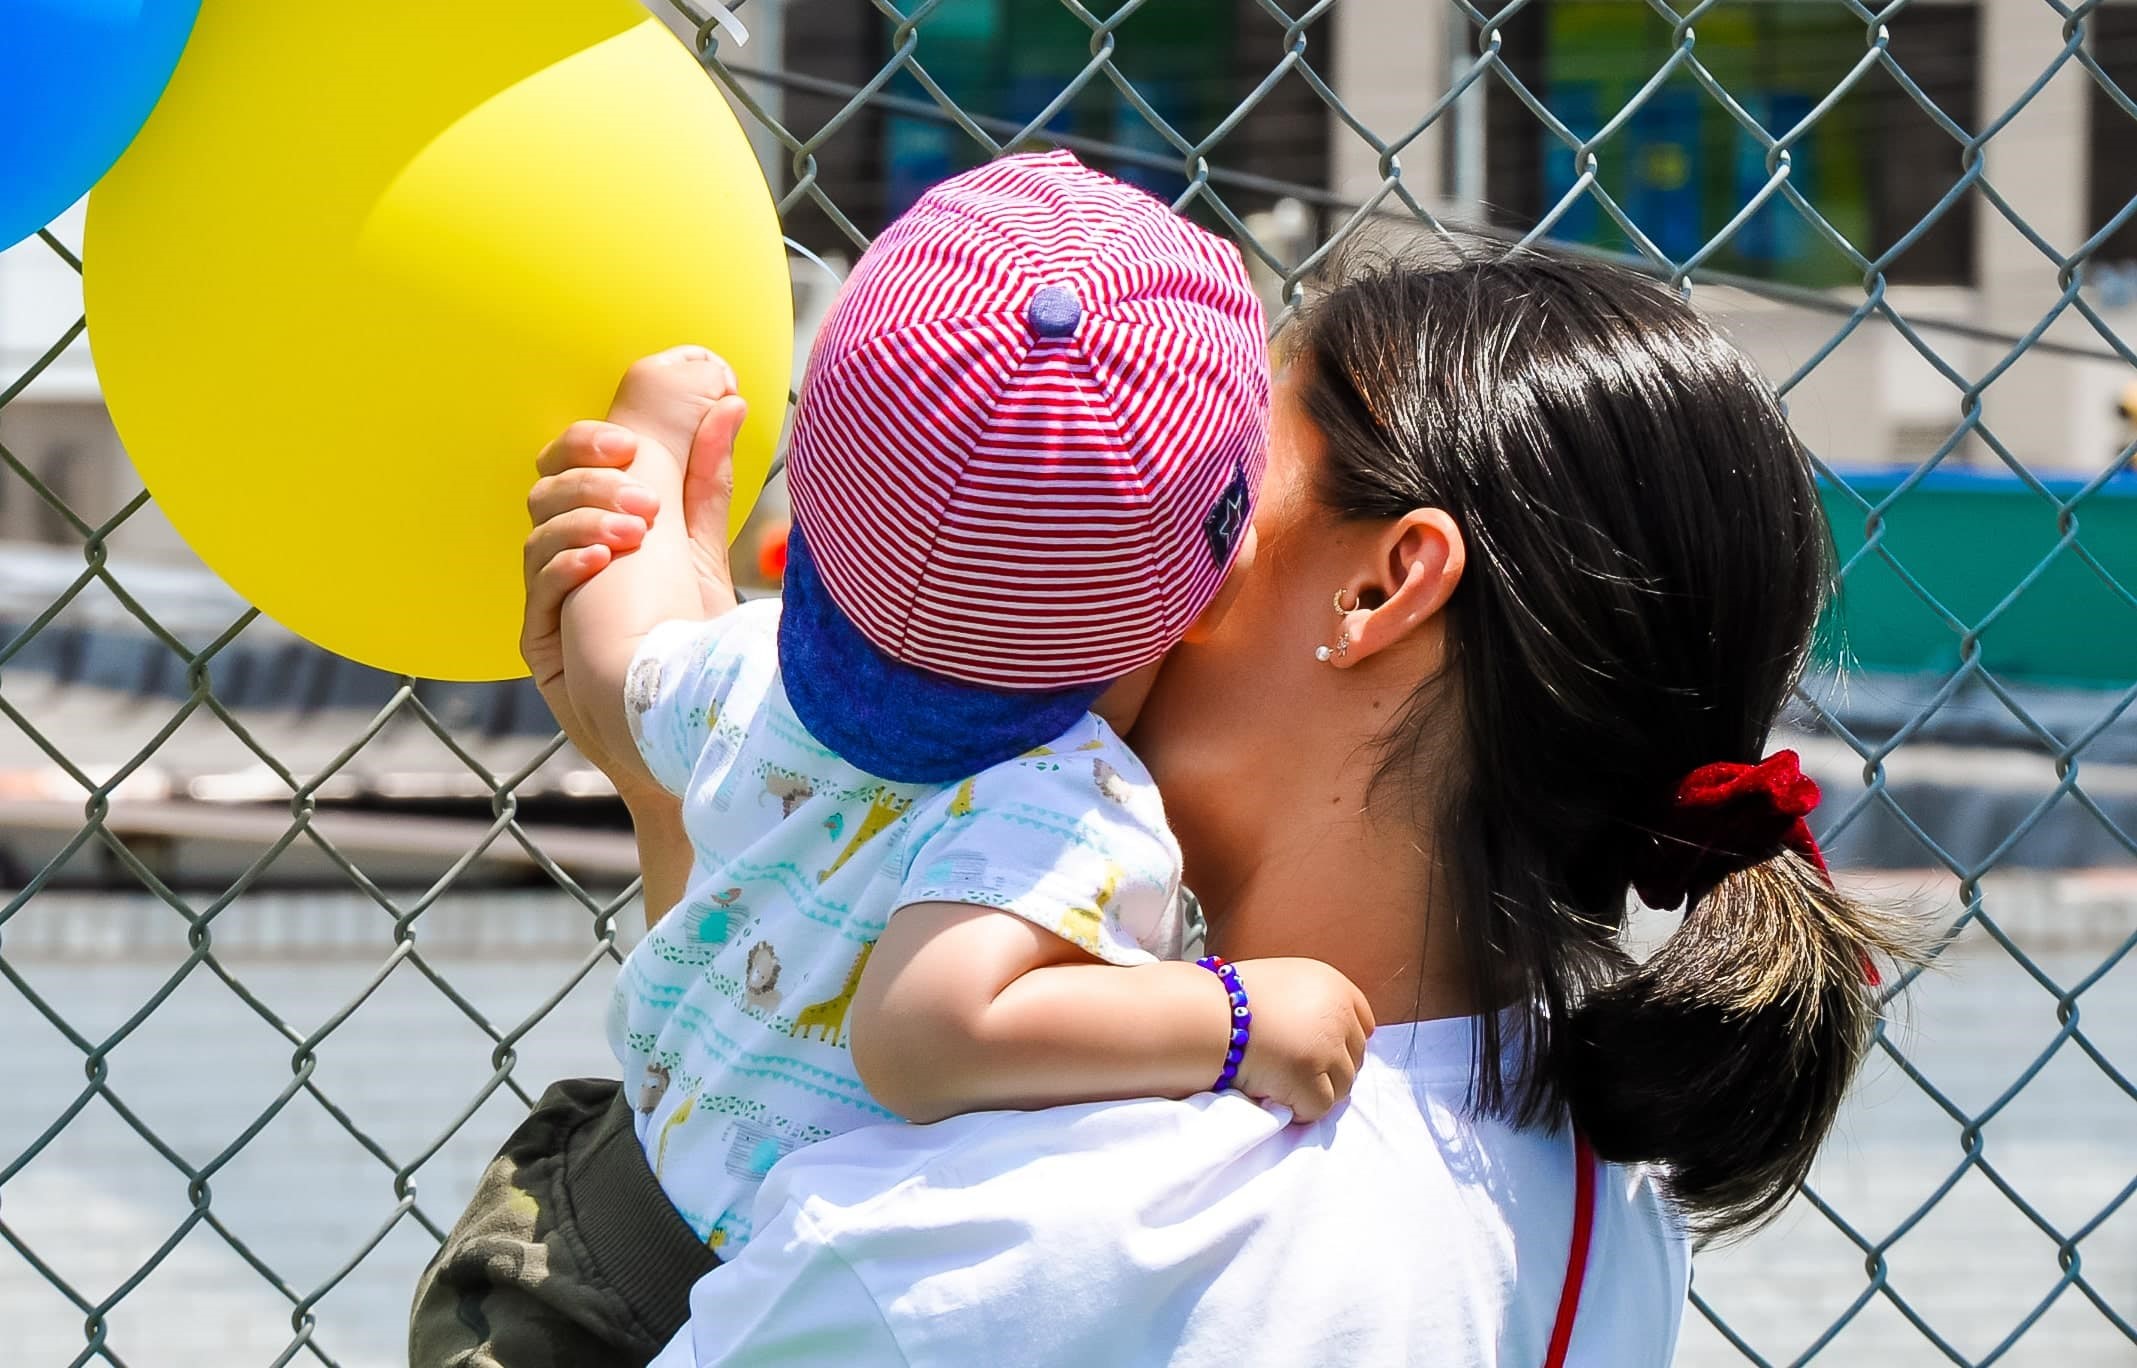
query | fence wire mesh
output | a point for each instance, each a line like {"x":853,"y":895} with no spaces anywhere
{"x":1273,"y":146}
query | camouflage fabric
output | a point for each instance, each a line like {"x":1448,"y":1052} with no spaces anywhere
{"x":569,"y":1253}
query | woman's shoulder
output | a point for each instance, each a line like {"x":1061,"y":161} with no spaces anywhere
{"x":1407,"y":1136}
{"x":1375,"y":1226}
{"x":993,"y":1156}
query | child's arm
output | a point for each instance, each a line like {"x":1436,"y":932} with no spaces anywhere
{"x":965,"y":1008}
{"x":682,"y":406}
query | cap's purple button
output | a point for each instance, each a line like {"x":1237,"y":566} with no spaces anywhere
{"x":1053,"y":311}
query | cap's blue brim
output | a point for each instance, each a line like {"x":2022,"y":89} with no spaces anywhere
{"x":898,"y":721}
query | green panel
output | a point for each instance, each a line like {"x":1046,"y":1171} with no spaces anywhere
{"x":1968,"y":541}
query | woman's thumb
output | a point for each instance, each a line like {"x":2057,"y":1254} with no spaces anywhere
{"x":709,"y":476}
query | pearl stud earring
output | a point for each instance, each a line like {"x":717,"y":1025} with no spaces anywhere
{"x":1325,"y":654}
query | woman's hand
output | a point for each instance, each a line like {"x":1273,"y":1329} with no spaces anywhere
{"x":1308,"y":1038}
{"x":587,"y":510}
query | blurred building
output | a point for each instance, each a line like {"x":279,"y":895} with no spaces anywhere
{"x":1876,"y":163}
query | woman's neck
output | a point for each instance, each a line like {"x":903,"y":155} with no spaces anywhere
{"x":1312,"y":895}
{"x":1333,"y":872}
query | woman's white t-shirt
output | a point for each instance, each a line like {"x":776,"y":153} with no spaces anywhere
{"x":1399,"y":1229}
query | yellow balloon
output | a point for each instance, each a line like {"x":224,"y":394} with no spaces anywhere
{"x":360,"y":264}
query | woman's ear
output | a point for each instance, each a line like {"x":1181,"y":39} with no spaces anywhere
{"x":1228,"y":592}
{"x":1418,"y":561}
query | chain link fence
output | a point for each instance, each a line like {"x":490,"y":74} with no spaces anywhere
{"x":458,"y":882}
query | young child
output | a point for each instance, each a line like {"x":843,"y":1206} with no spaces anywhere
{"x":929,"y":877}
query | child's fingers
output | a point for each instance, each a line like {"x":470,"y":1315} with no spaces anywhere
{"x":709,"y":476}
{"x":1309,"y":1104}
{"x":710,"y":369}
{"x":1341,"y":1075}
{"x":689,"y":354}
{"x":1322,"y":1095}
{"x":588,"y":442}
{"x":612,"y":491}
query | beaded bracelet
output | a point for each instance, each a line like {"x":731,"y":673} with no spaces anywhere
{"x":1242,"y":1019}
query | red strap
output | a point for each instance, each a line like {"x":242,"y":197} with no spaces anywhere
{"x":1584,"y":1166}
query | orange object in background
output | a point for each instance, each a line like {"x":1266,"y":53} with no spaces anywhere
{"x":772,"y":554}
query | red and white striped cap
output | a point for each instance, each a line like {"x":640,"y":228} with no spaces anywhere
{"x":1032,"y":430}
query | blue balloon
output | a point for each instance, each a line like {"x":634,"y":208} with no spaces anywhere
{"x":77,"y":80}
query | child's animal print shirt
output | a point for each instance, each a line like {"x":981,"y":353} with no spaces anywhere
{"x":730,"y":1017}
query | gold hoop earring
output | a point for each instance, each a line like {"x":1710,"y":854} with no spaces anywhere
{"x":1324,"y":654}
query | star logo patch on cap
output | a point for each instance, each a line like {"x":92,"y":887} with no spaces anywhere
{"x":1227,"y":517}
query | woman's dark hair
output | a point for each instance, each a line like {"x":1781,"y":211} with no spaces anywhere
{"x":1647,"y":560}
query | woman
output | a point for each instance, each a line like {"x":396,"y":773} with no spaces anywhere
{"x":1538,"y":563}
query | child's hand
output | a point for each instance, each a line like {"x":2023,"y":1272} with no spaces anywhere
{"x":685,"y":402}
{"x":665,"y":397}
{"x":1308,"y":1036}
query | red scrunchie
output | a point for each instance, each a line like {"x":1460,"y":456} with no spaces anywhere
{"x":1723,"y":819}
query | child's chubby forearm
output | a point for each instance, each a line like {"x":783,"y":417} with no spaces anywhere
{"x":966,"y":1008}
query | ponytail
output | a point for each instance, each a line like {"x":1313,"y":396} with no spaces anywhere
{"x":1724,"y":1058}
{"x":1647,"y":560}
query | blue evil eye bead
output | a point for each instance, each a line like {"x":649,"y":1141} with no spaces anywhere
{"x":1243,"y":1020}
